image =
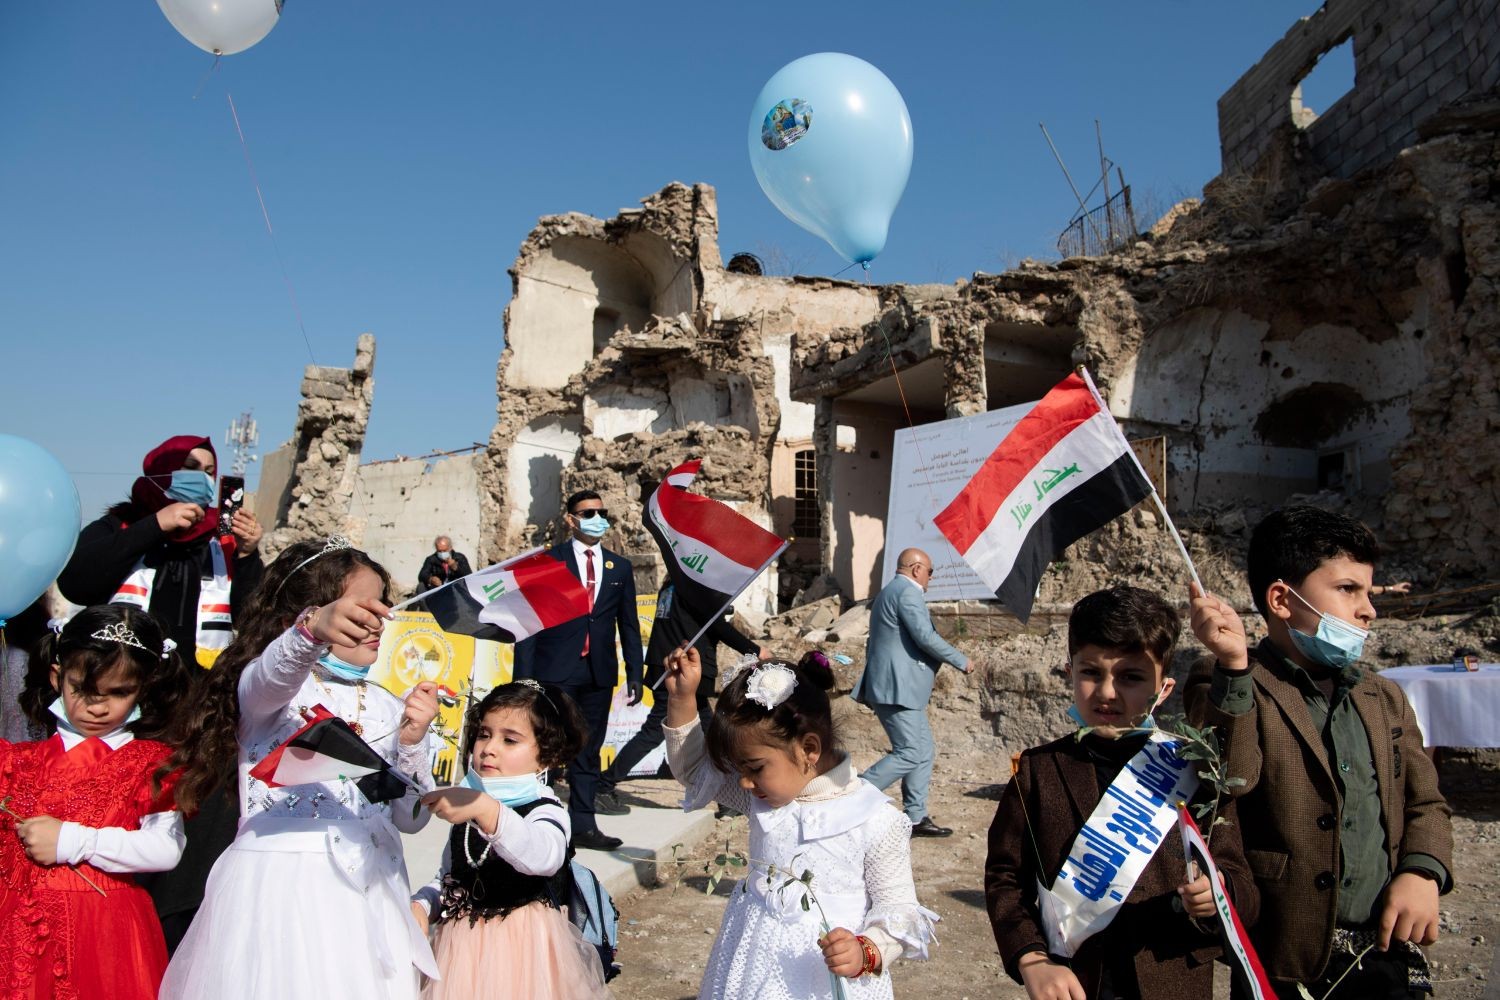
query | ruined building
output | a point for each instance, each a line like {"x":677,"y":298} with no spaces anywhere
{"x":1328,"y":317}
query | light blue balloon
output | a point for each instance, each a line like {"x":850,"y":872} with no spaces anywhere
{"x":831,"y":143}
{"x":39,"y":521}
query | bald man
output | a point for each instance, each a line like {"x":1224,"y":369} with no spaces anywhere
{"x":902,"y":658}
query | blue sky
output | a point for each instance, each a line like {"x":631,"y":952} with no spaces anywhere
{"x":405,"y":150}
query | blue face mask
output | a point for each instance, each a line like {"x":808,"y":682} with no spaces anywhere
{"x":60,"y":712}
{"x":342,"y":668}
{"x":594,"y":526}
{"x":511,"y":789}
{"x":1336,"y":644}
{"x":1149,"y":722}
{"x":191,"y":486}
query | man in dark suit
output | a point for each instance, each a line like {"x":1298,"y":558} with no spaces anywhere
{"x":579,"y":656}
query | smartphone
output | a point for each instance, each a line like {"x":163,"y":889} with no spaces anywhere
{"x":231,"y":499}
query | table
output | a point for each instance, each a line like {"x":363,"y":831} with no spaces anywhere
{"x":1455,"y":708}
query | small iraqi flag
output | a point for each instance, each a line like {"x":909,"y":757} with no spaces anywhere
{"x":1065,"y":470}
{"x":510,"y":600}
{"x":712,"y":551}
{"x":327,"y":749}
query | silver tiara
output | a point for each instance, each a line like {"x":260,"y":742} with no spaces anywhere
{"x":121,"y":633}
{"x":536,"y":686}
{"x":334,"y":543}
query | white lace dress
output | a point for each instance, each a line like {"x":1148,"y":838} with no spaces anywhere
{"x":310,"y":902}
{"x":858,"y":847}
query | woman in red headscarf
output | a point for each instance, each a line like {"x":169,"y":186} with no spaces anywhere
{"x":164,"y":550}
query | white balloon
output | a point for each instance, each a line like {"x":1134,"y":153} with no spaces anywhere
{"x":222,"y":27}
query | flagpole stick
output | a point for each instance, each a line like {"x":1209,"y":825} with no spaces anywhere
{"x":1172,"y":527}
{"x":728,"y":604}
{"x":1192,"y":570}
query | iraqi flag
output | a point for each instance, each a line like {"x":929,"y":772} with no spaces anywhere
{"x":510,"y":600}
{"x":328,"y":749}
{"x":1062,"y":472}
{"x":712,"y":552}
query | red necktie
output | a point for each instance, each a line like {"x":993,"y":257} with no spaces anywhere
{"x":588,"y":559}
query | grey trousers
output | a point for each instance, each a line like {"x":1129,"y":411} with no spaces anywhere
{"x":910,"y":759}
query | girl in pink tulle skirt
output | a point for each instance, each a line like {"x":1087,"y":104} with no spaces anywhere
{"x":495,"y":901}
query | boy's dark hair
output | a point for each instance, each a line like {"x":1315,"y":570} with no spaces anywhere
{"x":1127,"y":619}
{"x":580,"y":497}
{"x":164,"y":680}
{"x":806,"y":710}
{"x":304,"y":575}
{"x":1292,"y":542}
{"x":555,"y":718}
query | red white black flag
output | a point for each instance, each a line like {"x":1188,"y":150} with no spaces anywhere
{"x":712,"y":551}
{"x":1065,"y":470}
{"x":510,"y":600}
{"x":327,"y":749}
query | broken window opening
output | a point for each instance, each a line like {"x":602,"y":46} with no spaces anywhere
{"x":1330,"y":78}
{"x":1338,"y":469}
{"x":606,"y":325}
{"x":805,"y":520}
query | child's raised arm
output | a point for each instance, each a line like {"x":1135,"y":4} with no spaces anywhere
{"x":272,"y":680}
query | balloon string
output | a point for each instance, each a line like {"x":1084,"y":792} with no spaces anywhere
{"x":916,"y":441}
{"x":255,"y":182}
{"x":204,"y":82}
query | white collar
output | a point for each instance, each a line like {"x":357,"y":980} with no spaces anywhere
{"x":903,"y":576}
{"x":579,"y":548}
{"x":114,"y":740}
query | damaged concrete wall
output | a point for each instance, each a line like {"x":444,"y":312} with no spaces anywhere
{"x":328,"y":439}
{"x":629,"y":348}
{"x":1410,"y":60}
{"x":403,"y":505}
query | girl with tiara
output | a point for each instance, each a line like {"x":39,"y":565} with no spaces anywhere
{"x":495,"y":900}
{"x":86,"y":808}
{"x":770,"y":752}
{"x":310,"y":901}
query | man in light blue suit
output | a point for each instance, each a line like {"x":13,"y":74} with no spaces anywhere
{"x":902,"y":657}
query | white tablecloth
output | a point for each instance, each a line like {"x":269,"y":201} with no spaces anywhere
{"x":1455,"y":708}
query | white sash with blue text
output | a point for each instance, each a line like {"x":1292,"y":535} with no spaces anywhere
{"x":1133,"y":818}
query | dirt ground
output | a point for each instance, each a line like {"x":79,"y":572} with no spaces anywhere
{"x":666,"y":932}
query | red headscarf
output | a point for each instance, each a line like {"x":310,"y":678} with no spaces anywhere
{"x":149,"y":493}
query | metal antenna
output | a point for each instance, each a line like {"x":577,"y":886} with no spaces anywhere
{"x":1082,"y":208}
{"x":243,"y":437}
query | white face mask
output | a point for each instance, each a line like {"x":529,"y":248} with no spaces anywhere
{"x":60,"y":712}
{"x":510,"y":789}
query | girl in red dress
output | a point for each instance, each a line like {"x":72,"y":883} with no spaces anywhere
{"x":85,"y":808}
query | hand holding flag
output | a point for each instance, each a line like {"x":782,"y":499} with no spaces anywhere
{"x":327,"y":749}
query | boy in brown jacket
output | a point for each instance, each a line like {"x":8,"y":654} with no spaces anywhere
{"x":1344,"y":827}
{"x":1119,"y":642}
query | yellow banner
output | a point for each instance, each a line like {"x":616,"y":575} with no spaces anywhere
{"x":413,"y":649}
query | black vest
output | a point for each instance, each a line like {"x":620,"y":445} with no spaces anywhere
{"x":494,"y":888}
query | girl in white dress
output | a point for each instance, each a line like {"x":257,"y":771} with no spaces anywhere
{"x":770,"y":753}
{"x":310,"y":901}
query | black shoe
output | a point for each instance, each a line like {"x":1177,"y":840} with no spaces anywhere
{"x":595,"y":840}
{"x":608,"y":804}
{"x":927,"y":828}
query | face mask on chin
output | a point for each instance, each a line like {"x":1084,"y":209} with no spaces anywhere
{"x":342,"y":669}
{"x":1335,"y":644}
{"x":1147,"y":723}
{"x":511,"y":790}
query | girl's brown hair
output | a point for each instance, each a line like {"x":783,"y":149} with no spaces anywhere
{"x":555,"y":718}
{"x":164,"y":680}
{"x":805,"y":711}
{"x":210,"y":746}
